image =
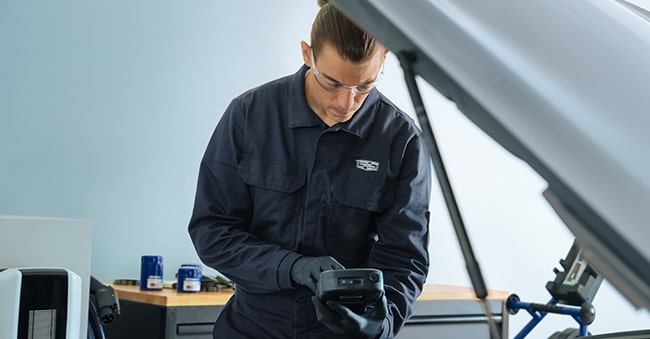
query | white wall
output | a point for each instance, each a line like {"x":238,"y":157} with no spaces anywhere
{"x":106,"y":108}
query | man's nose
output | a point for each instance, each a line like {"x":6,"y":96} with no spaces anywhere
{"x":346,"y":98}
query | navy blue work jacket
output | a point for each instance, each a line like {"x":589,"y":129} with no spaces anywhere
{"x":276,"y":183}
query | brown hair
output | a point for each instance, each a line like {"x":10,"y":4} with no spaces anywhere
{"x":333,"y":27}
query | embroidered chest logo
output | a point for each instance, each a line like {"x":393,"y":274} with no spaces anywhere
{"x":367,"y":165}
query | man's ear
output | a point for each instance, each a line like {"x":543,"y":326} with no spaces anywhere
{"x":306,"y":53}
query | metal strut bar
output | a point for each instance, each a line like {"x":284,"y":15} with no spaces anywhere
{"x":406,"y":59}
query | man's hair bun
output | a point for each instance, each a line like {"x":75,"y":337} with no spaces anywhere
{"x":322,"y":3}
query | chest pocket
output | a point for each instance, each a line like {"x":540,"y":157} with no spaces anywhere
{"x":367,"y":195}
{"x":351,"y":222}
{"x":269,"y":175}
{"x":275,"y":193}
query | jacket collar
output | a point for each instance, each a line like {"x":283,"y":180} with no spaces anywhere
{"x":300,"y":115}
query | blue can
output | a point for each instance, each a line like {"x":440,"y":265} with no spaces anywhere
{"x":197,"y":266}
{"x":151,"y":272}
{"x":189,"y":278}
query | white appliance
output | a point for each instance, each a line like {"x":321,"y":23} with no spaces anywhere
{"x":27,"y":241}
{"x":40,"y":303}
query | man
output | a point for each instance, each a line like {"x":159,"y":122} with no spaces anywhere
{"x":315,"y":171}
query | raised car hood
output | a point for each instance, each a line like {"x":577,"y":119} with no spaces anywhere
{"x":563,"y":85}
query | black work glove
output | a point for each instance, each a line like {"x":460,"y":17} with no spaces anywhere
{"x":341,"y":320}
{"x":306,"y":270}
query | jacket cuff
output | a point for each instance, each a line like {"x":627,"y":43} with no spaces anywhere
{"x":284,"y":270}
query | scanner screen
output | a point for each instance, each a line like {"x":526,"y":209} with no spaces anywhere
{"x":354,"y":281}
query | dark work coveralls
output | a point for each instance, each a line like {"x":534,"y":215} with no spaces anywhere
{"x":276,"y":183}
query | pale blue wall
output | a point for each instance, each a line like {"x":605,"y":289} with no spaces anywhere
{"x":106,"y":108}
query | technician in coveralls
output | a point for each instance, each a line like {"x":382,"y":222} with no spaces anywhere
{"x":314,"y":171}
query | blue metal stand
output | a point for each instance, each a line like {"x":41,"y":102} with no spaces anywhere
{"x":583,"y":315}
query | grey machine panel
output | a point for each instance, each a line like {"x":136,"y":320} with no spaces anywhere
{"x":563,"y":85}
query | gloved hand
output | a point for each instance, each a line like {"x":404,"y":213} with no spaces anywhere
{"x":341,"y":320}
{"x":306,"y":270}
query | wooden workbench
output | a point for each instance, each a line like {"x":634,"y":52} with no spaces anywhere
{"x":440,"y":311}
{"x":169,"y":297}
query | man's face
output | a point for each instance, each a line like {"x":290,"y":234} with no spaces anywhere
{"x":335,"y":87}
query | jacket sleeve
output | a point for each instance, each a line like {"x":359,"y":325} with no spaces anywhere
{"x":401,"y":251}
{"x":222,"y":210}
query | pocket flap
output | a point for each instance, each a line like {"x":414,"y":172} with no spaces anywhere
{"x":270,"y":175}
{"x":366,"y":195}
